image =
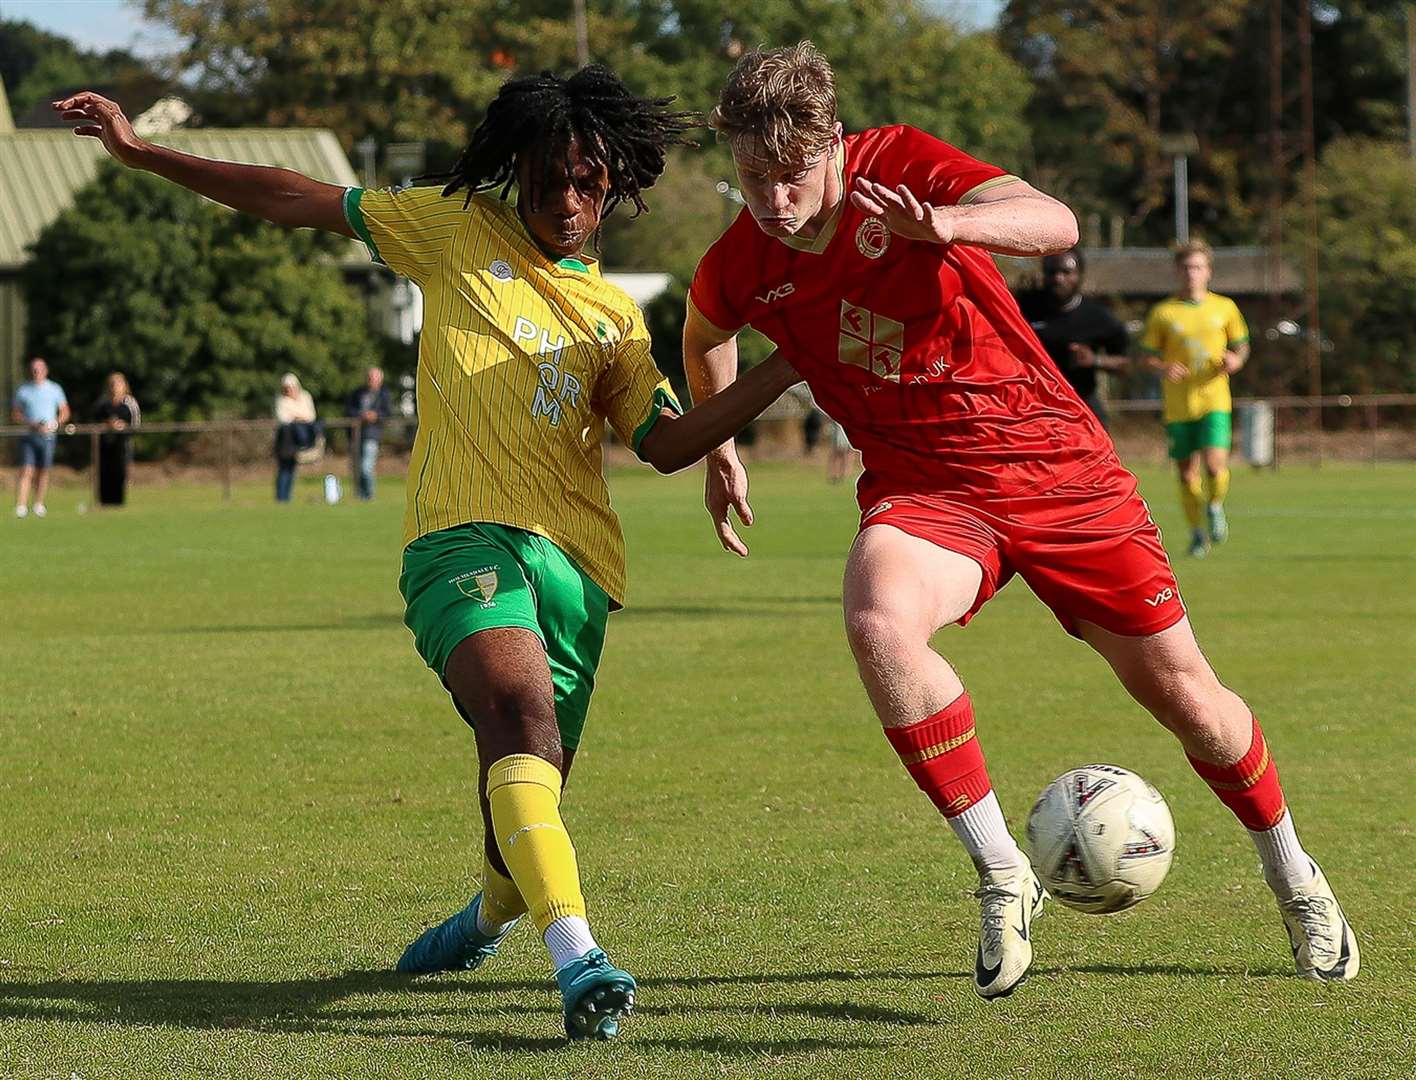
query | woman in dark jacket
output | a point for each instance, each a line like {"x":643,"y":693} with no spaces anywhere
{"x":117,"y":409}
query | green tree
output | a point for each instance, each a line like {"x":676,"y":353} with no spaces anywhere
{"x":1367,"y":265}
{"x":1112,"y":79}
{"x":424,"y":69}
{"x":201,"y":308}
{"x":35,"y":64}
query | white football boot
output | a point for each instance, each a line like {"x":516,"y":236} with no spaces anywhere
{"x":1011,"y":900}
{"x":1324,"y":946}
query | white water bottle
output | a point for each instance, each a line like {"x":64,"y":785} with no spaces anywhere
{"x":332,"y":491}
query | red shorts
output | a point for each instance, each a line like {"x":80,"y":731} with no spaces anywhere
{"x":1087,"y":547}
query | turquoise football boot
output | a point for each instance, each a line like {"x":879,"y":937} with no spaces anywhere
{"x":455,"y":944}
{"x":1218,"y":524}
{"x":1199,"y":544}
{"x":596,"y":995}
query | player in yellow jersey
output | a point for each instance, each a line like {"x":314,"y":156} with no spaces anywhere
{"x":1196,"y":339}
{"x":513,"y":558}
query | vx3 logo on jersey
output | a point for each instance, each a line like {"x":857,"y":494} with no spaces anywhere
{"x":781,"y":292}
{"x":1163,"y":597}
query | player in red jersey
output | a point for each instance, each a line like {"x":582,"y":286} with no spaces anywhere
{"x":866,"y":259}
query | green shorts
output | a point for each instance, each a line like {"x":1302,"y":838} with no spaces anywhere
{"x":1191,"y":436}
{"x":474,"y":577}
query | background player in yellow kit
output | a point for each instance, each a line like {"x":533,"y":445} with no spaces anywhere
{"x":512,"y":557}
{"x":1196,"y":339}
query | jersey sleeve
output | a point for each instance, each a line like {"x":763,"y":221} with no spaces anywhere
{"x":632,"y":394}
{"x":708,"y":300}
{"x":1235,"y":328}
{"x":942,"y":174}
{"x":407,"y":230}
{"x":1114,"y":341}
{"x":1153,"y":339}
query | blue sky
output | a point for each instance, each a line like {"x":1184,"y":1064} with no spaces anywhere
{"x":113,"y":24}
{"x":93,"y":24}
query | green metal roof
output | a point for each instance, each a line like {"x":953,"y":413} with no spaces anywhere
{"x":41,"y":169}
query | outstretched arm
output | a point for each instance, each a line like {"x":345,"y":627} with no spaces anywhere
{"x":1011,"y":219}
{"x":711,"y":363}
{"x":281,"y":196}
{"x":676,"y":442}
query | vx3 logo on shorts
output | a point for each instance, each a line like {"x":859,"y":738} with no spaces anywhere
{"x":781,"y":292}
{"x":1165,"y":595}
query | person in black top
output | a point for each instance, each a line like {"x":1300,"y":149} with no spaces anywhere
{"x":1080,"y":334}
{"x":370,"y":406}
{"x":118,"y":410}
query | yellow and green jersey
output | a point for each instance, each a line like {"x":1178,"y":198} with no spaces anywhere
{"x":522,"y":360}
{"x":1195,"y":333}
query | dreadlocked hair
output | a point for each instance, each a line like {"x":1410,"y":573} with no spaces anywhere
{"x":629,"y":135}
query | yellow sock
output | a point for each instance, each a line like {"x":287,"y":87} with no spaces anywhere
{"x":501,"y":899}
{"x":1218,"y":486}
{"x":1190,"y":499}
{"x":524,"y":793}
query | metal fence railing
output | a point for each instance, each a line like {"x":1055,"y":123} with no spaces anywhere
{"x":1371,"y":428}
{"x":223,"y":445}
{"x":1341,"y":427}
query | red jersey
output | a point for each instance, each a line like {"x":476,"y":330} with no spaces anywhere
{"x":918,"y":350}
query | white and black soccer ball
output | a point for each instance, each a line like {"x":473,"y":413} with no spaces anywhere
{"x":1100,"y":838}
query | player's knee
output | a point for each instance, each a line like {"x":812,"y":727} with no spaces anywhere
{"x":1187,"y":701}
{"x":876,"y":633}
{"x":523,"y":724}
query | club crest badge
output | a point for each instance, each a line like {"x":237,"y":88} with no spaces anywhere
{"x":501,"y":270}
{"x":872,"y":237}
{"x":480,"y":585}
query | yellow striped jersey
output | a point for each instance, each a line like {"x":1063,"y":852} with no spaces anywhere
{"x":522,"y":360}
{"x":1195,"y":333}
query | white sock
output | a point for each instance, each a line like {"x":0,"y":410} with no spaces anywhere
{"x":984,"y":834}
{"x":568,"y":938}
{"x":1286,"y":864}
{"x":491,"y":929}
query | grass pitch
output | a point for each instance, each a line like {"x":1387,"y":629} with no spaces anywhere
{"x":231,"y":794}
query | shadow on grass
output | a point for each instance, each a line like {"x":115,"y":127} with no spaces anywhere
{"x":312,"y":1006}
{"x":731,"y":605}
{"x":378,"y":621}
{"x":1184,"y":971}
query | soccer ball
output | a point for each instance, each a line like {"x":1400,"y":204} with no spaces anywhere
{"x":1100,"y":838}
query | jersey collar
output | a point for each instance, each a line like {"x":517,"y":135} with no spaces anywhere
{"x":585,"y":265}
{"x":818,"y":243}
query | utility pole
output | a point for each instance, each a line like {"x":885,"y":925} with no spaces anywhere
{"x":1411,"y":81}
{"x":1292,"y":141}
{"x":1180,"y":147}
{"x":582,"y":35}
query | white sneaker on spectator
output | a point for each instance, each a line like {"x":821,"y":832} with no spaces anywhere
{"x":21,"y":510}
{"x":39,"y":510}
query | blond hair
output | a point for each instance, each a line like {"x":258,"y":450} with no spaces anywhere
{"x":784,"y":97}
{"x":1193,"y":247}
{"x":117,"y":386}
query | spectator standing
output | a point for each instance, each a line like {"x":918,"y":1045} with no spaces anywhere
{"x":297,"y":434}
{"x":369,"y":406}
{"x":1080,"y":333}
{"x":40,"y":405}
{"x":118,"y":410}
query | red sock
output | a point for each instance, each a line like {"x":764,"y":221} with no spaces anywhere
{"x":944,"y":757}
{"x":1250,"y":786}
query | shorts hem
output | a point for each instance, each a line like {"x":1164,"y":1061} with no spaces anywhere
{"x":460,"y":634}
{"x":988,"y":580}
{"x":1148,"y":629}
